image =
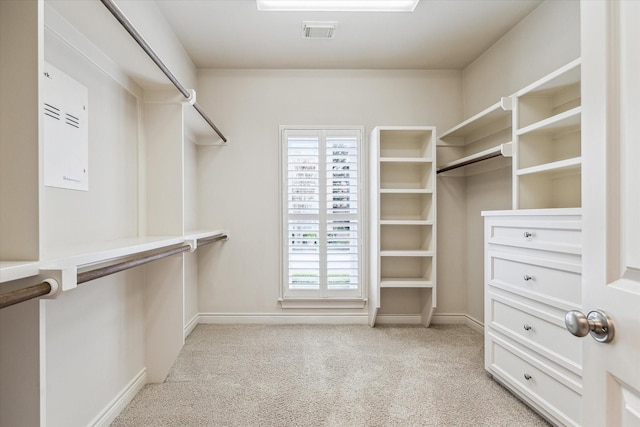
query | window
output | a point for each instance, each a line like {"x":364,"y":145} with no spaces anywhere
{"x":322,"y":212}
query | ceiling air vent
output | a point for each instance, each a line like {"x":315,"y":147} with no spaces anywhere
{"x":319,"y":29}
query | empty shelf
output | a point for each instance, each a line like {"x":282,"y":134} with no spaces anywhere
{"x":495,"y":113}
{"x":404,"y":282}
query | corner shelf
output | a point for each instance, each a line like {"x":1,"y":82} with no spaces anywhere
{"x":497,"y":116}
{"x":487,"y":135}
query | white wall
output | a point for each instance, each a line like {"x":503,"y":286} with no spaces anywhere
{"x":239,"y":187}
{"x":108,"y":210}
{"x":543,"y":41}
{"x":93,"y":337}
{"x":190,"y":224}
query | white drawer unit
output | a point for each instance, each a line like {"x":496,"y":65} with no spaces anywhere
{"x":533,"y":272}
{"x":537,"y":278}
{"x":537,"y":381}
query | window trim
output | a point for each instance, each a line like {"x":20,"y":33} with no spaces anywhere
{"x":289,"y":299}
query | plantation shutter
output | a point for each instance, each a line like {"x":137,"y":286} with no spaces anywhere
{"x":322,"y":250}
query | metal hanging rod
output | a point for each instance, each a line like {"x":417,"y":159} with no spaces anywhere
{"x":24,"y":294}
{"x":208,"y":240}
{"x":117,"y":13}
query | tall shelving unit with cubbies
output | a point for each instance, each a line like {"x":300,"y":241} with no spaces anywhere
{"x":402,"y":214}
{"x":547,"y":142}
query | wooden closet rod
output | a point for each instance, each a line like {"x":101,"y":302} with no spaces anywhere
{"x":19,"y":295}
{"x":117,"y":13}
{"x":470,"y":162}
{"x":24,"y":294}
{"x":125,"y":265}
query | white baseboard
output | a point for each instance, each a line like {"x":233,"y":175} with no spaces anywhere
{"x":286,"y":319}
{"x":403,"y":319}
{"x":117,"y":405}
{"x":436,"y":319}
{"x":333,"y":319}
{"x":458,"y":319}
{"x":191,"y":324}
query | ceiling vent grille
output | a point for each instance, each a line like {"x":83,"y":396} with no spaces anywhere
{"x":319,"y":29}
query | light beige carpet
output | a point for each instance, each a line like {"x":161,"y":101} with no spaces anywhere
{"x":326,"y":375}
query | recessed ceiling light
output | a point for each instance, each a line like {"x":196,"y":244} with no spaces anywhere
{"x":338,"y":5}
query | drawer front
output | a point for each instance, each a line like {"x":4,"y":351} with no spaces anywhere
{"x":528,"y":377}
{"x":556,"y":236}
{"x":561,"y":281}
{"x":537,"y":330}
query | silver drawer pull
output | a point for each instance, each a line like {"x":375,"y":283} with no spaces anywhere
{"x":526,"y":327}
{"x":528,"y":234}
{"x":526,"y":277}
{"x":527,"y":377}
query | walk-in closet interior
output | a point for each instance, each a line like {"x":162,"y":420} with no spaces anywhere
{"x":172,"y":171}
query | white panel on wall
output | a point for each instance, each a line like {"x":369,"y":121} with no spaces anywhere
{"x":66,"y":131}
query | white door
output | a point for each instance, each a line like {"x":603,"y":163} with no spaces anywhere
{"x":611,"y":208}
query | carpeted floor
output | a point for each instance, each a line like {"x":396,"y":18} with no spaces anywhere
{"x":328,"y":375}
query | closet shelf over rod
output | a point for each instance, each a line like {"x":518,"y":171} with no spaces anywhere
{"x":502,"y":150}
{"x":48,"y":287}
{"x":117,"y":13}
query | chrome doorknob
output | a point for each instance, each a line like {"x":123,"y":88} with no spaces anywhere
{"x":597,"y":323}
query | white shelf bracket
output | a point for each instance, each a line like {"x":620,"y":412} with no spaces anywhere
{"x":66,"y":279}
{"x":193,"y":243}
{"x":506,"y":103}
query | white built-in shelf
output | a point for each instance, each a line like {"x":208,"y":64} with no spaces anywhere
{"x":405,"y":191}
{"x":406,"y":222}
{"x":568,"y":165}
{"x":105,"y":251}
{"x":402,"y":282}
{"x":495,"y":114}
{"x":504,"y":150}
{"x":407,"y":253}
{"x":565,"y":76}
{"x":406,"y":160}
{"x":560,"y":123}
{"x":202,"y":234}
{"x":402,"y":215}
{"x":15,"y":270}
{"x":547,"y":141}
{"x":90,"y":254}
